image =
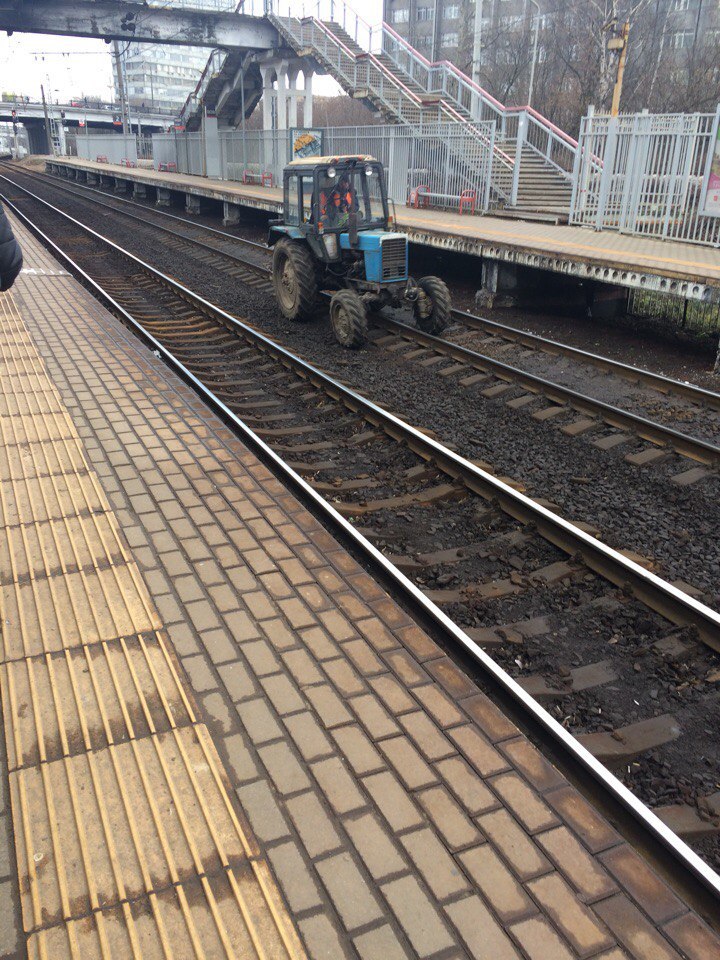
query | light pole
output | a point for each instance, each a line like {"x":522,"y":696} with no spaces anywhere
{"x":534,"y":52}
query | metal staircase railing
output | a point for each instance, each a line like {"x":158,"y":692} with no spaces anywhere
{"x":361,"y":70}
{"x":469,"y":100}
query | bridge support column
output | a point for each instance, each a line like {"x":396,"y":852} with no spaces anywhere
{"x":292,"y":75}
{"x":308,"y":99}
{"x":192,"y":204}
{"x":120,"y":185}
{"x":91,"y":179}
{"x":281,"y":96}
{"x":231,"y":214}
{"x":139,"y":191}
{"x":162,"y":197}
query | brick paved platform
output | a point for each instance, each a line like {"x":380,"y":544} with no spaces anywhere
{"x":171,"y":614}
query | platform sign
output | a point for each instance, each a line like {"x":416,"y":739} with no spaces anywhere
{"x":306,"y":143}
{"x":710,"y":206}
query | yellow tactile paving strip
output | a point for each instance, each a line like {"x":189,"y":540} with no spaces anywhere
{"x":127,"y":841}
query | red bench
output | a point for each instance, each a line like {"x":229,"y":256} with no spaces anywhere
{"x":419,"y":196}
{"x":101,"y":158}
{"x":422,"y":197}
{"x":167,"y":167}
{"x":264,"y":179}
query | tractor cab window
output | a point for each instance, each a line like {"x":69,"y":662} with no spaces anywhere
{"x":336,"y":198}
{"x":298,"y":198}
{"x":372,"y":204}
{"x":292,"y":206}
{"x":346,"y":189}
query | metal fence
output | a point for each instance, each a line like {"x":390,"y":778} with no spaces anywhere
{"x":643,"y":174}
{"x":444,"y":159}
{"x":115,"y":146}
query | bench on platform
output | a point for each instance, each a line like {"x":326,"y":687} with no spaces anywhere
{"x":422,"y":197}
{"x":254,"y":174}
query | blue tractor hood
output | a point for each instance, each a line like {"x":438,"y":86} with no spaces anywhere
{"x":371,"y":243}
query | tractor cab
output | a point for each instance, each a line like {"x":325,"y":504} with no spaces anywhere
{"x":334,"y":237}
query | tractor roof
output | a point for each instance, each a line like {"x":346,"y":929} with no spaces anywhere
{"x":327,"y":161}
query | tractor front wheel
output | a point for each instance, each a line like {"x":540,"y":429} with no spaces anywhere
{"x":349,"y":319}
{"x":294,"y":282}
{"x":432,"y":308}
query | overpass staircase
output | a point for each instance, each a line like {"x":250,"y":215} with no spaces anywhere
{"x":231,"y":79}
{"x":532,"y":159}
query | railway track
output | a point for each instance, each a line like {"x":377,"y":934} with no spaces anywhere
{"x":573,"y":412}
{"x":494,"y":570}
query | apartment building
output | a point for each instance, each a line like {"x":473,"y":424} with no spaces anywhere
{"x":481,"y":33}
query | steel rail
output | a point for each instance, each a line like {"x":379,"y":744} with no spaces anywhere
{"x":704,"y":881}
{"x":696,"y":449}
{"x":663,"y":384}
{"x":133,"y":216}
{"x":689,"y":391}
{"x":656,"y":433}
{"x":674,"y":604}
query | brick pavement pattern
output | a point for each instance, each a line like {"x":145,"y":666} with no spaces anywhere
{"x":402,"y":813}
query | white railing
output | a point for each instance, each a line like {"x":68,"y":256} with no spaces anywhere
{"x":421,"y":82}
{"x":644,"y":174}
{"x":410,"y":160}
{"x":360,"y":70}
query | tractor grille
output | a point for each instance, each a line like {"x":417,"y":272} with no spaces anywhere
{"x":394,"y":258}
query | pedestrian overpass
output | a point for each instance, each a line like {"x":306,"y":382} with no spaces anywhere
{"x":256,"y":57}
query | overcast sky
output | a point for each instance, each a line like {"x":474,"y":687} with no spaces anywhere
{"x":71,"y":67}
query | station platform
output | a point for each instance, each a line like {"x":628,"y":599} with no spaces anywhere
{"x":222,"y":738}
{"x":687,"y":270}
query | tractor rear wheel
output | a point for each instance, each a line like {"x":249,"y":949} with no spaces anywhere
{"x":436,"y":315}
{"x":294,"y":281}
{"x":349,"y":319}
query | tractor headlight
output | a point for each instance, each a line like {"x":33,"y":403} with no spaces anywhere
{"x":331,"y":172}
{"x":369,"y":171}
{"x":331,"y":245}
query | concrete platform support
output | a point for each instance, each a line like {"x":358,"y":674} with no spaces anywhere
{"x":192,"y":204}
{"x":162,"y":198}
{"x":499,"y":284}
{"x":121,"y":185}
{"x":139,"y":191}
{"x":231,"y":214}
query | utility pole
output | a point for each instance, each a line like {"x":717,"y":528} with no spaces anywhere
{"x":619,"y":43}
{"x":531,"y":85}
{"x":48,"y":130}
{"x":121,"y":86}
{"x":477,"y":54}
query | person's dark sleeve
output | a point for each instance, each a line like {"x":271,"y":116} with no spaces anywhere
{"x":11,"y":258}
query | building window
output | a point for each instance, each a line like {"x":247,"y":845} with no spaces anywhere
{"x":399,"y":16}
{"x":423,"y":42}
{"x":452,"y":12}
{"x":680,"y":39}
{"x":680,"y":5}
{"x":450,"y":39}
{"x":424,"y":13}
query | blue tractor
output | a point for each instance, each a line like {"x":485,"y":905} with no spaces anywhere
{"x":334,"y":238}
